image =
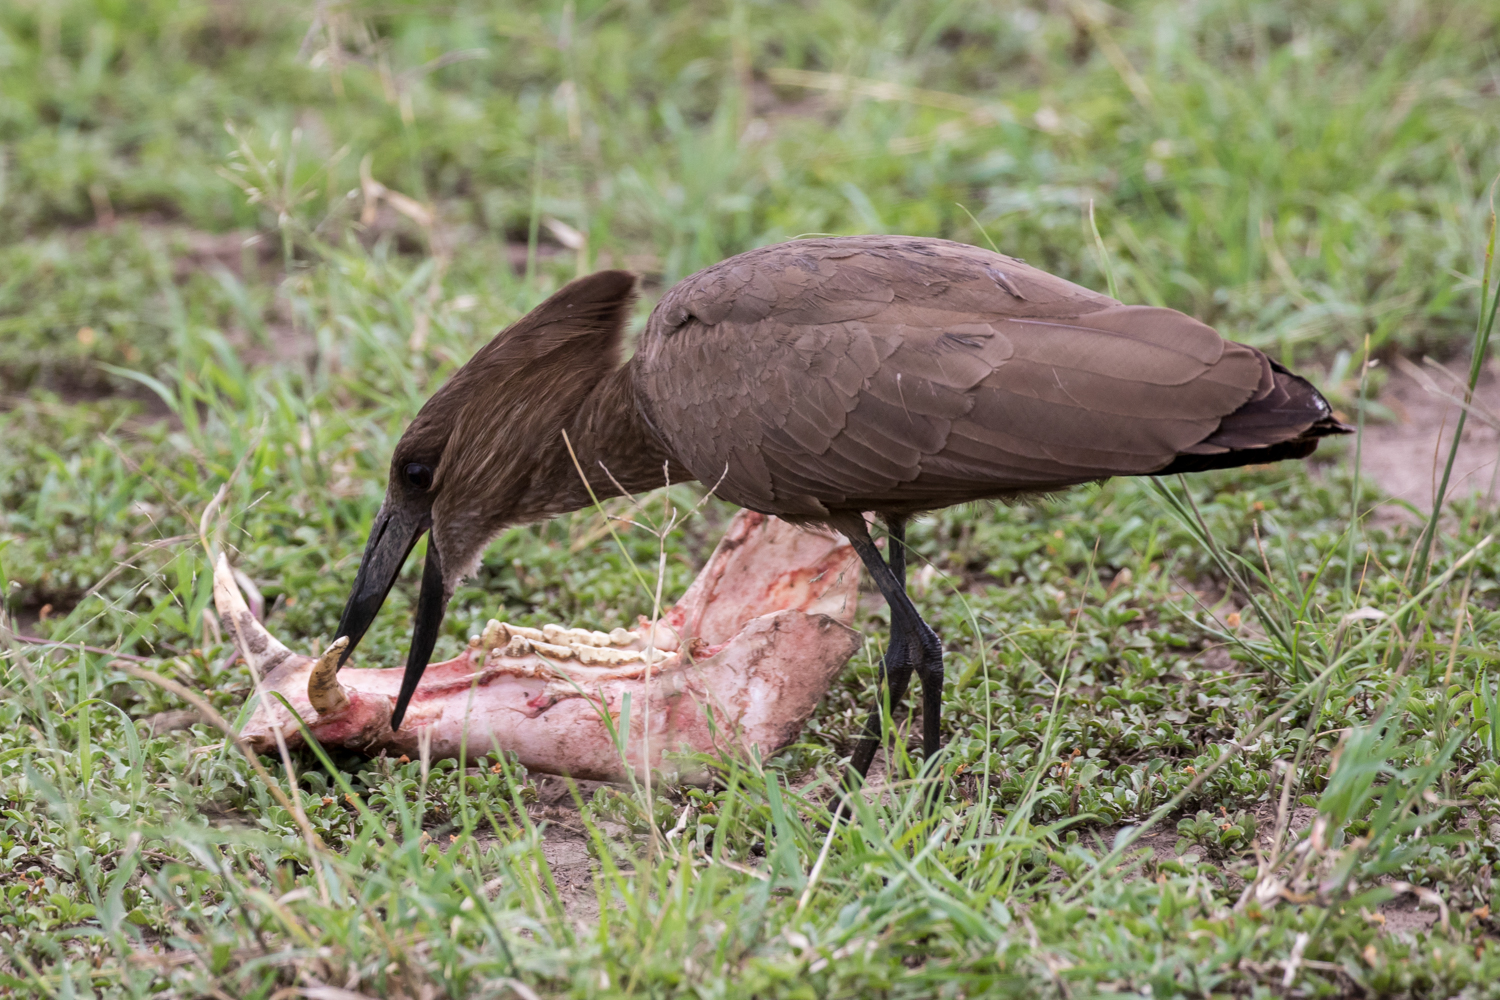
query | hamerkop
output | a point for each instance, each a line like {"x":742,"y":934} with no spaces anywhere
{"x":819,"y":380}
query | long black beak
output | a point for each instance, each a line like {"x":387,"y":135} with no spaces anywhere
{"x":431,"y":604}
{"x":392,"y":538}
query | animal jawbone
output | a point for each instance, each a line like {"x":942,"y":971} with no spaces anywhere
{"x":742,"y":660}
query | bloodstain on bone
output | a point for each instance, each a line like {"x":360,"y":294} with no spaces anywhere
{"x":740,"y":661}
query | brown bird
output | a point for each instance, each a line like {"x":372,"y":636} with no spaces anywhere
{"x":819,"y":380}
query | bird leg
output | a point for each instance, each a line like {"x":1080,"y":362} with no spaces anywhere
{"x":895,"y":666}
{"x":913,"y":645}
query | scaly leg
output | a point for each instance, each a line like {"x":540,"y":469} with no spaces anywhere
{"x":913,"y":645}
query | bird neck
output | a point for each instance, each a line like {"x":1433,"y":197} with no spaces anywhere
{"x":612,"y":445}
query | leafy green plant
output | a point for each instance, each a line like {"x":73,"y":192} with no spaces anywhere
{"x":1220,"y":835}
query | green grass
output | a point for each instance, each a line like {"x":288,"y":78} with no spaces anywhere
{"x":180,"y":300}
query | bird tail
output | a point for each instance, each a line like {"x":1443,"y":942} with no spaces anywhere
{"x":1284,"y":419}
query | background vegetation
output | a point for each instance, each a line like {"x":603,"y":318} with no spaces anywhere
{"x":255,"y":236}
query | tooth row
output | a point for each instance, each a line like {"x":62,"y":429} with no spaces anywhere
{"x":498,"y":633}
{"x":590,"y":648}
{"x":589,"y":656}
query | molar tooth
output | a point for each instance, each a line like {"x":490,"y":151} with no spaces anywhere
{"x":553,"y":650}
{"x":519,"y":645}
{"x":495,"y":634}
{"x":575,"y":636}
{"x":620,"y":637}
{"x":534,"y":634}
{"x":594,"y":656}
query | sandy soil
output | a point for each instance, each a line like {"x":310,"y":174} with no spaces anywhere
{"x":565,"y":846}
{"x":1406,"y":457}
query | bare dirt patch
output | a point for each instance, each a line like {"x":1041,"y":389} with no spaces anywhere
{"x":1406,"y":458}
{"x":565,"y":845}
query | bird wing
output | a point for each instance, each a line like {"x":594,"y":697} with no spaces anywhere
{"x":884,"y":372}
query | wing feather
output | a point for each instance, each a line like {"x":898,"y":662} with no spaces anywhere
{"x":876,"y":371}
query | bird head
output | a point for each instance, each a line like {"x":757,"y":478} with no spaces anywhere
{"x":468,"y":464}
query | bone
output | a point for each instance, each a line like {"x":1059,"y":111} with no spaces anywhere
{"x":259,"y":647}
{"x":755,"y":643}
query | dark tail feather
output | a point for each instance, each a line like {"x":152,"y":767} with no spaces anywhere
{"x":1284,"y":419}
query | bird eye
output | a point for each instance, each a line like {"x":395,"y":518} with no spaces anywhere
{"x":419,"y":475}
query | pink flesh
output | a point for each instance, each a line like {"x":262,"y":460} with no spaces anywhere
{"x":768,"y":618}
